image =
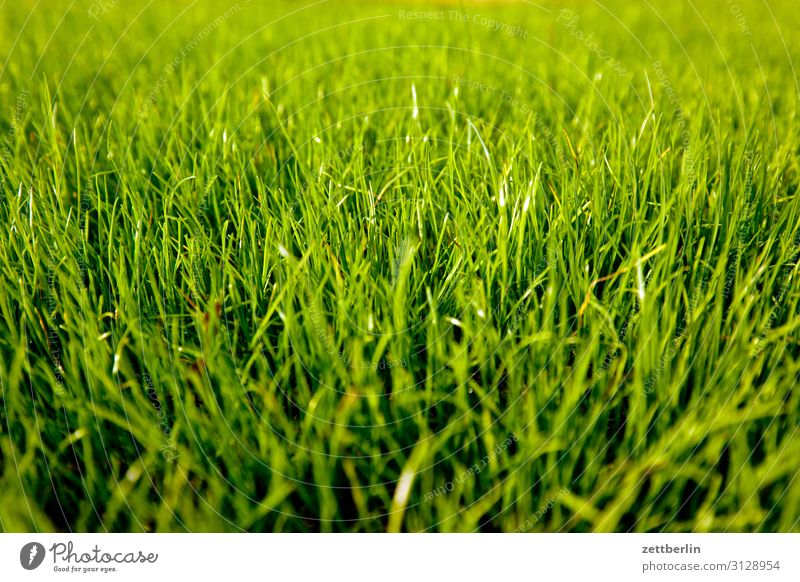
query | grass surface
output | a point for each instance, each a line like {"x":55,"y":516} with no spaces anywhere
{"x":370,"y":267}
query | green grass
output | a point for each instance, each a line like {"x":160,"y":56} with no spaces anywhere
{"x":326,"y":267}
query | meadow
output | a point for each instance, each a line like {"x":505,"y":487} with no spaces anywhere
{"x":399,"y":266}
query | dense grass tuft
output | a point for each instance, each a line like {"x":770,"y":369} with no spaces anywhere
{"x":350,"y":267}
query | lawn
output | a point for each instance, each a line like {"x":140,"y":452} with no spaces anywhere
{"x":399,"y":266}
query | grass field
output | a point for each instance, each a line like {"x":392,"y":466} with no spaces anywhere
{"x":456,"y":266}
